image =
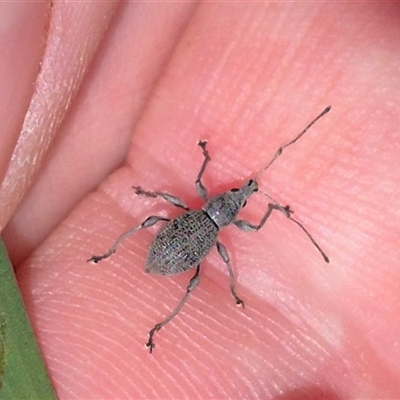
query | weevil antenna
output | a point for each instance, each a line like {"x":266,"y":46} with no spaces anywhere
{"x":280,"y":150}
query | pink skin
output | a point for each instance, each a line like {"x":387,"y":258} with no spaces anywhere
{"x":247,"y":77}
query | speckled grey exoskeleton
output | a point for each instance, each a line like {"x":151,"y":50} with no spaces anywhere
{"x":184,"y":241}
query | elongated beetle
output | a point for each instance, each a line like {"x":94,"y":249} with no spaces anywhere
{"x":184,"y":241}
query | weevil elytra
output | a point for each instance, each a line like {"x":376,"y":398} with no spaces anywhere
{"x":186,"y":240}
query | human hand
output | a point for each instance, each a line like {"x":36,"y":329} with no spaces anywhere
{"x":247,"y":77}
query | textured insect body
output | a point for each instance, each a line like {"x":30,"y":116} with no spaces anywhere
{"x":184,"y":241}
{"x":182,"y":244}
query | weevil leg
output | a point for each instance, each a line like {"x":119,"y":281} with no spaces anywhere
{"x":225,"y":256}
{"x":200,"y":188}
{"x":247,"y":226}
{"x":194,"y":281}
{"x":166,"y":196}
{"x":150,"y":221}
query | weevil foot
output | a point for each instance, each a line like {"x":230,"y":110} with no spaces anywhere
{"x":139,"y":191}
{"x":95,"y":259}
{"x":202,"y":143}
{"x":239,"y":302}
{"x":150,"y":344}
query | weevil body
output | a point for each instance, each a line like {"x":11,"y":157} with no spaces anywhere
{"x":184,"y":242}
{"x":187,"y":239}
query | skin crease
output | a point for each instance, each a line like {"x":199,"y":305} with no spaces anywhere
{"x":247,"y":77}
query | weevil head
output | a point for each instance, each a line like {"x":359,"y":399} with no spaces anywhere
{"x":224,"y":208}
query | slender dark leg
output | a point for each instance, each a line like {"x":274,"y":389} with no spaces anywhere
{"x":200,"y":188}
{"x":194,"y":281}
{"x":225,"y":256}
{"x":166,"y":196}
{"x":247,"y":226}
{"x":150,"y":221}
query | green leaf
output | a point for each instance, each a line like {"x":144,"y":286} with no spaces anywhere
{"x":23,"y":374}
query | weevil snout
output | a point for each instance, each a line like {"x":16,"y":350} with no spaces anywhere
{"x":242,"y":194}
{"x":251,"y":186}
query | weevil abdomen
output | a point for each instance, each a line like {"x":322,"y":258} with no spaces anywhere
{"x":182,"y":244}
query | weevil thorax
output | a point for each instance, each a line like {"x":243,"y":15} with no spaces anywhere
{"x":224,"y":208}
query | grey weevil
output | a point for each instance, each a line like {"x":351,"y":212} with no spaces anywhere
{"x":186,"y":240}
